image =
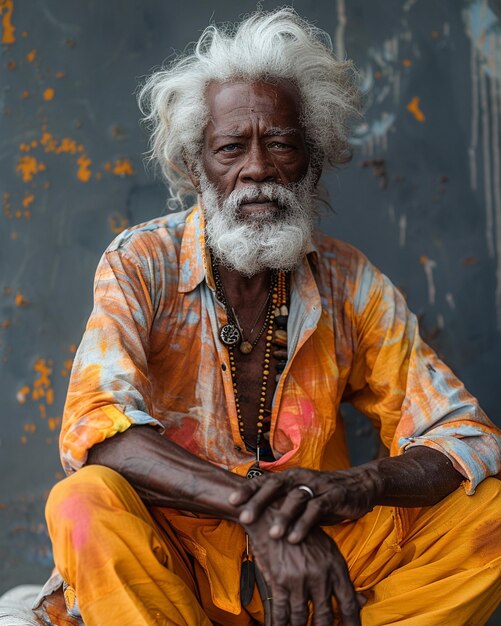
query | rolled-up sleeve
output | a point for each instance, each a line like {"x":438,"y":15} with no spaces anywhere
{"x":109,"y":387}
{"x":410,"y":395}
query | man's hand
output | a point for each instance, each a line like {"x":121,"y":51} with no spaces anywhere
{"x":312,"y":570}
{"x":348,"y":494}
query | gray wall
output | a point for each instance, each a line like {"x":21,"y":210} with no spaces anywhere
{"x":421,"y":197}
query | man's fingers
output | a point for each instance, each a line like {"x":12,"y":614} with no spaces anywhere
{"x":243,"y":493}
{"x":280,"y":607}
{"x":267,"y":492}
{"x":310,"y":518}
{"x":321,"y":594}
{"x":349,"y":607}
{"x":290,"y":510}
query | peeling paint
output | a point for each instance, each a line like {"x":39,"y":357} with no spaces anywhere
{"x":429,"y":266}
{"x":31,"y":56}
{"x":28,"y":166}
{"x":49,"y":94}
{"x":8,"y":29}
{"x":413,"y":107}
{"x":117,"y":223}
{"x":20,"y":300}
{"x":84,"y":172}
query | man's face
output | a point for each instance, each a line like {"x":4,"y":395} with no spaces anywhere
{"x":253,"y":137}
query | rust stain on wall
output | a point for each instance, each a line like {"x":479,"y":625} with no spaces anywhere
{"x":8,"y":29}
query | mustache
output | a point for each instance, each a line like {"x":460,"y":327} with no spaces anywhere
{"x":268,"y":192}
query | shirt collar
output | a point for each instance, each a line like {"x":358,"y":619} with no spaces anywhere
{"x":194,"y":260}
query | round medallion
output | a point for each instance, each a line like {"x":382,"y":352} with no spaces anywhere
{"x":229,"y":335}
{"x":246,"y":347}
{"x":254,"y":472}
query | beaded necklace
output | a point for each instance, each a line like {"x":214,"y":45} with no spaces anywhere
{"x":275,"y":330}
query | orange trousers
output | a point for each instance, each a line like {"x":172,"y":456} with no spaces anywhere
{"x":139,"y":566}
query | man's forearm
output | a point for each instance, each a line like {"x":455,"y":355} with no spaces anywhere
{"x":421,"y":476}
{"x":164,"y":474}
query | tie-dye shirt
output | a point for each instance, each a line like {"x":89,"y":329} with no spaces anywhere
{"x":151,"y":355}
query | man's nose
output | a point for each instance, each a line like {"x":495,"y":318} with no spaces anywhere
{"x":258,"y":166}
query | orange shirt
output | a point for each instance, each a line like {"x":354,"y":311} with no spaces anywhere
{"x":151,"y":355}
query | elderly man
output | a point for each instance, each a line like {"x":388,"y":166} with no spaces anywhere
{"x":222,"y":341}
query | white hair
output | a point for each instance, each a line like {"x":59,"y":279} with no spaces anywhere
{"x":266,"y":46}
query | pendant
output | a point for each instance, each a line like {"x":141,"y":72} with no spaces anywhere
{"x":246,"y":347}
{"x":229,"y":335}
{"x":247,"y":581}
{"x":254,"y":472}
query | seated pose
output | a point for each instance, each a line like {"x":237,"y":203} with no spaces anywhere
{"x":222,"y":341}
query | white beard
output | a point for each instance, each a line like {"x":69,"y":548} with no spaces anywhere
{"x":276,"y":239}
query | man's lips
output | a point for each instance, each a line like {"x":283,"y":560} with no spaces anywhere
{"x":258,"y":206}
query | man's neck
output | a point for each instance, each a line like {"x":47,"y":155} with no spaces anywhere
{"x":244,"y":292}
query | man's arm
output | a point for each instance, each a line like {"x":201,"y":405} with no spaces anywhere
{"x":164,"y":474}
{"x":420,"y":477}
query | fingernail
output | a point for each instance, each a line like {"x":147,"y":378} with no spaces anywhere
{"x":233,"y":498}
{"x":294,"y":537}
{"x":275,"y":531}
{"x":245,"y":517}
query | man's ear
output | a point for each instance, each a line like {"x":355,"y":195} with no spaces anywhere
{"x":192,"y":173}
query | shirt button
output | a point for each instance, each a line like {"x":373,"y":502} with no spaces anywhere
{"x":223,"y":367}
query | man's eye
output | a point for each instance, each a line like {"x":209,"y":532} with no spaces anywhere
{"x":280,"y":145}
{"x":230,"y":147}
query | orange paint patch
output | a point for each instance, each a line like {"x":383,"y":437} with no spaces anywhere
{"x":13,"y":236}
{"x":11,"y":65}
{"x":434,"y":34}
{"x":6,"y":8}
{"x":72,"y":348}
{"x":413,"y":107}
{"x":24,"y":440}
{"x":31,"y":56}
{"x":117,"y":222}
{"x":21,"y":300}
{"x":123,"y":167}
{"x":49,"y":94}
{"x":5,"y":324}
{"x":22,"y":394}
{"x":50,"y":396}
{"x":30,"y":428}
{"x":42,"y":382}
{"x":53,"y":423}
{"x":68,"y":364}
{"x":406,"y":62}
{"x":84,"y":173}
{"x":42,"y":410}
{"x":60,"y":74}
{"x":27,"y":214}
{"x":27,"y":200}
{"x":28,"y":166}
{"x":25,"y":95}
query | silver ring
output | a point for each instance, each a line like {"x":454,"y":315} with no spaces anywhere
{"x":308,"y":490}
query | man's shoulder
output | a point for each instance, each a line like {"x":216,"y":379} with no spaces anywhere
{"x":338,"y":254}
{"x":163,"y":231}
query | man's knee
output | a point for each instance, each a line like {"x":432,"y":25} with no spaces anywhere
{"x":88,"y":490}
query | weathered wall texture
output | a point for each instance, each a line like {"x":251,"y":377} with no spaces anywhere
{"x":422,"y":197}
